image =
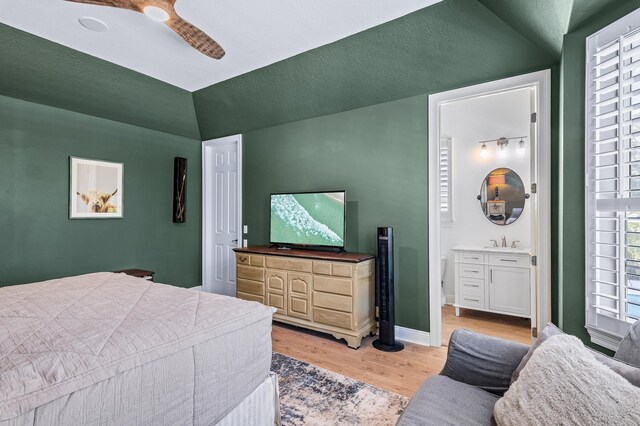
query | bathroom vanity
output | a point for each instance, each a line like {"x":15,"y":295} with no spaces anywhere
{"x":496,"y":279}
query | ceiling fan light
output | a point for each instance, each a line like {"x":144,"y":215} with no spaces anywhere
{"x":156,"y":13}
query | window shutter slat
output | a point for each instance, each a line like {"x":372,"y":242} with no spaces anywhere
{"x":446,"y":214}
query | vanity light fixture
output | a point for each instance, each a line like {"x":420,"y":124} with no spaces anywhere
{"x":502,"y":144}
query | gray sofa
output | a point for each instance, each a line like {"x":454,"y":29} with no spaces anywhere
{"x":479,"y":370}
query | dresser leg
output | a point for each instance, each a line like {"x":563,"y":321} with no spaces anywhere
{"x":353,"y":342}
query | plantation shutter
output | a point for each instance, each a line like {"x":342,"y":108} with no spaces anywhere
{"x":613,"y":179}
{"x":446,"y":214}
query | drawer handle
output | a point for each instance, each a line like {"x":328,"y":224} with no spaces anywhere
{"x":472,"y":285}
{"x":471,"y":300}
{"x":473,"y":258}
{"x":475,"y":271}
{"x":244,"y":259}
{"x":508,"y":260}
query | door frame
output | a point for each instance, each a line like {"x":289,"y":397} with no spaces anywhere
{"x":208,"y":199}
{"x":541,"y":201}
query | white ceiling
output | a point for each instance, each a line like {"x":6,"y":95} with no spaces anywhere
{"x":254,"y":33}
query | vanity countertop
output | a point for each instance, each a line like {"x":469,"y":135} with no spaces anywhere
{"x":507,"y":250}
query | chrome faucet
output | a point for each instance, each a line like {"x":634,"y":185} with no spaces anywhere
{"x":513,"y":244}
{"x":504,"y":241}
{"x":495,"y":243}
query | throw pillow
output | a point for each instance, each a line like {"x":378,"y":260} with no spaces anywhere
{"x":629,"y":350}
{"x":549,"y":331}
{"x":563,"y":383}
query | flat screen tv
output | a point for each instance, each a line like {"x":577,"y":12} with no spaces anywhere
{"x":308,"y":219}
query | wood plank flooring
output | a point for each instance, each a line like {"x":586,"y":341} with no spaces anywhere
{"x":399,"y":372}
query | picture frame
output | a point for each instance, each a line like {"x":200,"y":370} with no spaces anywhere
{"x":96,"y":189}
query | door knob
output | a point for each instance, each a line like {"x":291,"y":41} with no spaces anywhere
{"x":235,"y":241}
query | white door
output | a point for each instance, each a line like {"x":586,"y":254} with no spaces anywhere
{"x":221,"y":213}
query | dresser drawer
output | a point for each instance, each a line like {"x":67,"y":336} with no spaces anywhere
{"x":518,"y":260}
{"x":470,"y":257}
{"x":333,"y":285}
{"x":252,"y":287}
{"x":336,"y":269}
{"x":251,"y":273}
{"x":251,"y":297}
{"x":471,"y":286}
{"x":466,"y":270}
{"x":323,"y":268}
{"x":342,"y":270}
{"x":300,"y":265}
{"x":332,"y":301}
{"x":327,"y":316}
{"x":472,"y":300}
{"x":257,"y":260}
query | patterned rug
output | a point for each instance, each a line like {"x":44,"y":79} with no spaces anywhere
{"x":311,"y":395}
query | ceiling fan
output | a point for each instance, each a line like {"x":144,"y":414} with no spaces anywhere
{"x":163,"y":11}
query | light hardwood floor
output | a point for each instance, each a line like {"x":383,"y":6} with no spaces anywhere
{"x":400,"y":372}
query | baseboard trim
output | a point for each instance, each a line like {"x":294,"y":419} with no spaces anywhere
{"x":197,"y":288}
{"x":410,"y":335}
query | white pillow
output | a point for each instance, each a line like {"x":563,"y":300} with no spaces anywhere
{"x":564,"y":384}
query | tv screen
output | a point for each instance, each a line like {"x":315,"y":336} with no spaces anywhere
{"x":310,"y":218}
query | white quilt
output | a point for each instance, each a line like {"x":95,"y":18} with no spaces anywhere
{"x":62,"y":336}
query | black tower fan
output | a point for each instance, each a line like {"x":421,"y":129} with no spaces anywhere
{"x":384,"y":294}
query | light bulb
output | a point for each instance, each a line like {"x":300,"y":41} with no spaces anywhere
{"x":483,"y":151}
{"x":521,"y":148}
{"x":502,"y":152}
{"x":156,"y":13}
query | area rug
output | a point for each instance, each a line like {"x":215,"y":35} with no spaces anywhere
{"x":311,"y":395}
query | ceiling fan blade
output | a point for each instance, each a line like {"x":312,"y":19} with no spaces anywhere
{"x":197,"y":38}
{"x":122,"y":4}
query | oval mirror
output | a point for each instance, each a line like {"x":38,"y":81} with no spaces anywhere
{"x":502,"y":196}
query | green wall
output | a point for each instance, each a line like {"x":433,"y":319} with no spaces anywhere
{"x":41,"y":71}
{"x":571,"y":284}
{"x":379,"y":155}
{"x":452,"y":44}
{"x":39,"y":241}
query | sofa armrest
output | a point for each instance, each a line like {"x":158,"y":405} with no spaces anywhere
{"x":482,"y":361}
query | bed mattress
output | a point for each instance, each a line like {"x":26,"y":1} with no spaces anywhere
{"x":107,"y":348}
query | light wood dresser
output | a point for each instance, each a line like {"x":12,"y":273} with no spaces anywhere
{"x":323,"y":291}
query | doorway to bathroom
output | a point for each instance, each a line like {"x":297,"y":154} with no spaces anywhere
{"x":489,"y":222}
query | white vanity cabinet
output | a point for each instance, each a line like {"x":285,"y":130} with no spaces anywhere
{"x":493,"y":280}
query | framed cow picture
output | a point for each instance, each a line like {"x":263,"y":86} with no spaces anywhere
{"x":96,"y":190}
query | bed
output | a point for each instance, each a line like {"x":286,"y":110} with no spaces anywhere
{"x":108,"y":348}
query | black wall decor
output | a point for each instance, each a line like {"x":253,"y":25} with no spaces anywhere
{"x":179,"y":190}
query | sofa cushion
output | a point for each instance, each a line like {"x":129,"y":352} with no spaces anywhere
{"x":441,"y":401}
{"x":629,"y":372}
{"x":549,"y":331}
{"x":629,"y":350}
{"x":483,"y":361}
{"x":563,"y":383}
